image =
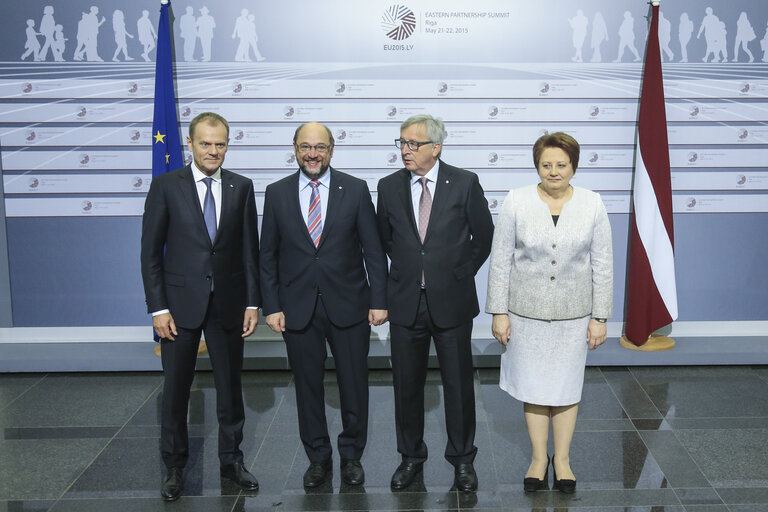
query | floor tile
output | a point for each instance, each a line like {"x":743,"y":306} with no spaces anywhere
{"x":698,"y":496}
{"x":13,"y":385}
{"x":26,"y":505}
{"x":43,"y":468}
{"x":679,"y":468}
{"x":81,"y":400}
{"x":183,"y":504}
{"x":744,"y":496}
{"x":705,"y":392}
{"x":729,"y":458}
{"x":633,"y":398}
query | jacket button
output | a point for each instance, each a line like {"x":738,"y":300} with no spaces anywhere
{"x":554,"y":262}
{"x":554,"y":246}
{"x":422,"y":253}
{"x":552,"y":278}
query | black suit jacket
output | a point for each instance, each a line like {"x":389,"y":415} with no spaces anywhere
{"x":178,"y":259}
{"x":348,"y":267}
{"x":457,"y":242}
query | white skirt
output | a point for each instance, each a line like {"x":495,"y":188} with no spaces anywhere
{"x":543,"y":363}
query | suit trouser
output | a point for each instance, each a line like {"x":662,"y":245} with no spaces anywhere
{"x":225,"y":349}
{"x":410,"y":354}
{"x":306,"y":355}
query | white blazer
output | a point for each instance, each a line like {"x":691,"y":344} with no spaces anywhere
{"x":539,"y":270}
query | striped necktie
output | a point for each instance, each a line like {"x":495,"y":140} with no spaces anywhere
{"x":315,"y":218}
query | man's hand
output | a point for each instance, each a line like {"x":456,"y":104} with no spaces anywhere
{"x":501,"y":328}
{"x":377,"y":316}
{"x":276,"y":321}
{"x":250,"y":320}
{"x":164,"y":326}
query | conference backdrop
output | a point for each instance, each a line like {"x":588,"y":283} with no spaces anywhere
{"x":76,"y":101}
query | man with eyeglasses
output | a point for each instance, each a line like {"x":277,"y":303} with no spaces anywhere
{"x":436,"y":228}
{"x":324,"y":275}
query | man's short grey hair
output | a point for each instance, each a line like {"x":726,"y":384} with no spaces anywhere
{"x":434,"y":127}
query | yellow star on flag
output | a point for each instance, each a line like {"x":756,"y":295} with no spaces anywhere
{"x":159,"y":137}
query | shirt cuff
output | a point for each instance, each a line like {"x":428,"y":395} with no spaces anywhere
{"x":161,"y":312}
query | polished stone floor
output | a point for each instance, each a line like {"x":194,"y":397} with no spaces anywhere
{"x":651,"y":439}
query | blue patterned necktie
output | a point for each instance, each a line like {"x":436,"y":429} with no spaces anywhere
{"x":315,"y":217}
{"x":209,"y":209}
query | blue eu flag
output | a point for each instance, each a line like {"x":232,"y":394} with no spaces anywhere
{"x":166,"y":144}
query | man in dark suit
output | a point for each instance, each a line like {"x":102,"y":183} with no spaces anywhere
{"x":199,"y":263}
{"x":436,"y":228}
{"x":323,"y":278}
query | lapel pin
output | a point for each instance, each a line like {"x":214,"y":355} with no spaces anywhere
{"x":340,"y":187}
{"x":447,"y":181}
{"x":231,"y":186}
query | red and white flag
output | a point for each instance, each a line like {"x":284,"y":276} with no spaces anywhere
{"x":651,"y":290}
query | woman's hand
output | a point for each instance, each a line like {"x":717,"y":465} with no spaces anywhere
{"x":501,"y":328}
{"x":596,"y":333}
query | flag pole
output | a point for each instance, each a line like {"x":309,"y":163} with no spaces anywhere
{"x":651,"y":288}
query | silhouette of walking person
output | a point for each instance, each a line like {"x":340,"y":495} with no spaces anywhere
{"x":241,"y":32}
{"x":710,"y":26}
{"x":205,"y":26}
{"x":32,"y":46}
{"x":146,"y":34}
{"x":579,"y":26}
{"x":627,"y":37}
{"x":188,"y":27}
{"x":88,"y":35}
{"x":665,"y":36}
{"x":684,"y":33}
{"x":253,"y":37}
{"x":118,"y":24}
{"x":764,"y":45}
{"x":744,"y":34}
{"x":59,"y":43}
{"x":47,"y":29}
{"x":721,"y":48}
{"x":599,"y":36}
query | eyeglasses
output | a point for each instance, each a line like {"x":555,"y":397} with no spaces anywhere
{"x":320,"y":148}
{"x":412,"y":144}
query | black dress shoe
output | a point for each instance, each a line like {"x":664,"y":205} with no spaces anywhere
{"x":173,"y":485}
{"x":405,"y":474}
{"x":352,"y":472}
{"x":465,"y":478}
{"x":531,"y":484}
{"x":238,"y":474}
{"x":317,"y":473}
{"x":565,"y":485}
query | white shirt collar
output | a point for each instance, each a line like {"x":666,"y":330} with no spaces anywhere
{"x":324,"y":180}
{"x":200,"y":175}
{"x":431,"y":174}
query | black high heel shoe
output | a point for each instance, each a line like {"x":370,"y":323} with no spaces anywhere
{"x":565,"y":485}
{"x":531,"y":484}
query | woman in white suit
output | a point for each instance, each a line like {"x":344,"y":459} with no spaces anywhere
{"x":550,"y":290}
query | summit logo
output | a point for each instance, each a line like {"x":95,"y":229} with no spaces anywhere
{"x":398,"y":22}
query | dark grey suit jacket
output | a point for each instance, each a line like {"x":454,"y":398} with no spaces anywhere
{"x":456,"y":245}
{"x":178,"y":259}
{"x":348,"y":267}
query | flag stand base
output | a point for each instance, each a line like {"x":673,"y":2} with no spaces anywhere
{"x":202,"y":348}
{"x":655,"y":343}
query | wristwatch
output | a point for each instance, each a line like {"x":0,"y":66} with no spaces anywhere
{"x":601,"y":320}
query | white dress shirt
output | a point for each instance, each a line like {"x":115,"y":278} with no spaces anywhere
{"x":305,"y":192}
{"x":198,"y":176}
